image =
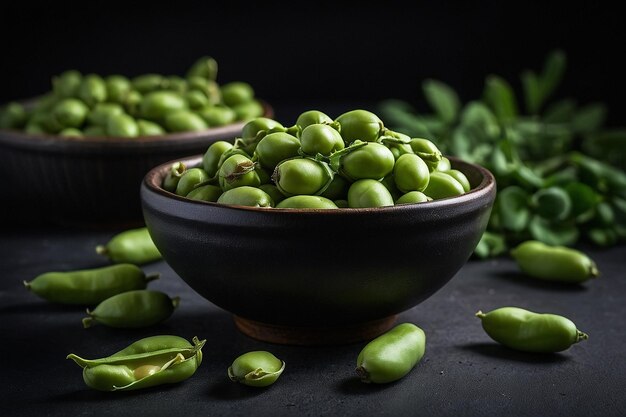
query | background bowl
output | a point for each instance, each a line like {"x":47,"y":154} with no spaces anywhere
{"x":91,"y":180}
{"x":317,"y":276}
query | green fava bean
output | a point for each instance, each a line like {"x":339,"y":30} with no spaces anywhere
{"x":311,"y":117}
{"x":302,"y":176}
{"x":426,"y":150}
{"x":121,"y":125}
{"x":190,"y":179}
{"x":205,"y":67}
{"x":133,"y":246}
{"x":117,"y":87}
{"x":411,"y":173}
{"x":392,"y":355}
{"x":374,"y":161}
{"x":133,"y":309}
{"x":413,"y":197}
{"x":94,"y":131}
{"x":158,"y":104}
{"x":248,"y":110}
{"x":196,"y":99}
{"x":360,"y":124}
{"x":341,"y":203}
{"x":369,"y":193}
{"x":443,"y":165}
{"x":170,"y":182}
{"x":12,"y":116}
{"x":66,"y":84}
{"x":205,"y":193}
{"x":132,"y":102}
{"x":92,"y":90}
{"x":276,"y":147}
{"x":252,"y":128}
{"x":554,"y":263}
{"x":148,"y":362}
{"x":307,"y":201}
{"x":70,"y":112}
{"x":101,"y":112}
{"x":146,"y":83}
{"x":71,"y":132}
{"x":184,"y":121}
{"x":441,"y":185}
{"x":212,"y":156}
{"x":236,"y":93}
{"x":322,"y":139}
{"x":89,"y":286}
{"x":460,"y":177}
{"x":256,"y":369}
{"x":148,"y":128}
{"x":236,"y":171}
{"x":527,"y":331}
{"x":217,"y":115}
{"x":246,"y":196}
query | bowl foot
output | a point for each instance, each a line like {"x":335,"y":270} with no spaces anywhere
{"x":314,"y":336}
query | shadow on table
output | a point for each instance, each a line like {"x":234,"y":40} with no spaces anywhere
{"x":40,"y":307}
{"x":354,"y":386}
{"x":494,"y":350}
{"x":518,"y":278}
{"x":90,"y":395}
{"x":227,"y":390}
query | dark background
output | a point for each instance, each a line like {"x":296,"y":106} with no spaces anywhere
{"x":298,"y":56}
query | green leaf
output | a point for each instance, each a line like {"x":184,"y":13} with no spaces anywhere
{"x":476,"y":115}
{"x":500,"y":97}
{"x":490,"y":245}
{"x":602,"y":236}
{"x":513,"y":208}
{"x":552,"y":203}
{"x":559,"y":233}
{"x":583,"y":197}
{"x":443,"y":99}
{"x":589,"y":118}
{"x":552,"y":74}
{"x":560,"y":112}
{"x":532,"y":92}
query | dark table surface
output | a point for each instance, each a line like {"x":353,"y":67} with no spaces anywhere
{"x":462,"y":373}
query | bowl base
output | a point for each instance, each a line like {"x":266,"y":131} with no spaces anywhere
{"x":314,"y":336}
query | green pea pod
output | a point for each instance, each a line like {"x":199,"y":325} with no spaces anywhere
{"x":246,"y":196}
{"x":276,"y":147}
{"x":205,"y":67}
{"x":391,"y":355}
{"x":92,"y":90}
{"x":554,"y":263}
{"x":236,"y":93}
{"x":302,"y":176}
{"x":184,"y":121}
{"x":89,"y":286}
{"x":133,"y":246}
{"x":411,"y":173}
{"x":190,"y":179}
{"x":311,"y":117}
{"x":256,"y":369}
{"x":527,"y":331}
{"x":132,"y":309}
{"x":149,"y":362}
{"x":237,"y":171}
{"x":320,"y":138}
{"x":257,"y":125}
{"x":306,"y":202}
{"x":373,"y":161}
{"x":369,"y":193}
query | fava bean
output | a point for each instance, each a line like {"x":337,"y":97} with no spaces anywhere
{"x":89,"y":286}
{"x":205,"y":193}
{"x":212,"y":156}
{"x":554,"y":263}
{"x":527,"y":331}
{"x":256,"y":369}
{"x":441,"y":185}
{"x":246,"y":196}
{"x":360,"y":125}
{"x":307,"y":201}
{"x":132,"y":309}
{"x":148,"y":362}
{"x":190,"y":179}
{"x":369,"y":193}
{"x":392,"y":355}
{"x":133,"y":246}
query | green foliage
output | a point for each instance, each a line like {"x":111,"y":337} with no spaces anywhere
{"x":560,"y":173}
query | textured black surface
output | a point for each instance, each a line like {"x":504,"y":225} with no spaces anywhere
{"x":463,"y":372}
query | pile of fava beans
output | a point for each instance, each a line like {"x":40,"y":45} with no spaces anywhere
{"x":151,"y":104}
{"x":352,"y":161}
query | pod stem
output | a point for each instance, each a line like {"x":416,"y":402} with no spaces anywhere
{"x":480,"y":314}
{"x":363,"y":374}
{"x":27,"y":285}
{"x":176,"y":302}
{"x":153,"y":276}
{"x":102,"y":250}
{"x":87,"y":321}
{"x":581,"y":336}
{"x":594,"y":272}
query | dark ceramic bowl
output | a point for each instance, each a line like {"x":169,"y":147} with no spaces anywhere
{"x":90,"y":181}
{"x":317,"y":276}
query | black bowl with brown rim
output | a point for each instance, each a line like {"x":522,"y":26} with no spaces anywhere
{"x":315,"y":277}
{"x":91,"y":181}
